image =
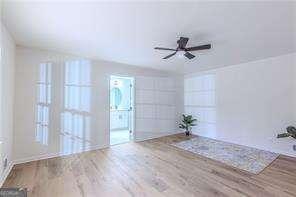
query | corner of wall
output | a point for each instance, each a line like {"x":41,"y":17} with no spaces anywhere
{"x":294,"y":99}
{"x":7,"y":73}
{"x":5,"y":173}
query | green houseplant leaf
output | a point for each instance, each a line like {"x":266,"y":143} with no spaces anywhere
{"x":187,"y":123}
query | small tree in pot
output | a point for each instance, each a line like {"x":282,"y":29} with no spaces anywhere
{"x":187,"y":123}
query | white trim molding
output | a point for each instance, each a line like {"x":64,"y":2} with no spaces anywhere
{"x":52,"y":155}
{"x":6,"y":173}
{"x":42,"y":157}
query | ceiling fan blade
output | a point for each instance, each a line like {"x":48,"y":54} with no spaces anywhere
{"x":189,"y":55}
{"x":166,"y":57}
{"x":182,"y":42}
{"x":161,"y":48}
{"x":201,"y":47}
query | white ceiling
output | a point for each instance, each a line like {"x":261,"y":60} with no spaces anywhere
{"x":127,"y":32}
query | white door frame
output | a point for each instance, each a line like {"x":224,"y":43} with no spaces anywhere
{"x":132,"y":103}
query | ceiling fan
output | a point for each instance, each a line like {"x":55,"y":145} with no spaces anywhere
{"x":182,"y":42}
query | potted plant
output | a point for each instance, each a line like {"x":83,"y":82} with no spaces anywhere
{"x":187,"y":123}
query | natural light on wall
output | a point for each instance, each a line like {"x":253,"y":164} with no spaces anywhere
{"x":200,"y":101}
{"x":75,"y":119}
{"x":43,"y":103}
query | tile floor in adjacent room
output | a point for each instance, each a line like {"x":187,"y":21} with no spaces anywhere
{"x":119,"y":137}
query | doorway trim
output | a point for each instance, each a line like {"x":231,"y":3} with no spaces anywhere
{"x":132,"y":105}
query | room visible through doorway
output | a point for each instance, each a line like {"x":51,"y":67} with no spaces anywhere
{"x":121,"y":109}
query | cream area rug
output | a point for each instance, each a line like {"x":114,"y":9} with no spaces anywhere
{"x":245,"y":158}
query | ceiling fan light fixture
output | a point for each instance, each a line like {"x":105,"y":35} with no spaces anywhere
{"x":182,"y":50}
{"x":180,"y":54}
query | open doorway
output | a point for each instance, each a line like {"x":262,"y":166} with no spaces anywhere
{"x":121,"y":109}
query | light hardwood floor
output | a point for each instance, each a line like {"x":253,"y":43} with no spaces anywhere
{"x":149,"y":168}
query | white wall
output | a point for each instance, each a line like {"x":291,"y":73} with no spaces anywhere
{"x":6,"y":100}
{"x":27,"y":62}
{"x":294,"y":109}
{"x":156,"y":112}
{"x":246,"y":104}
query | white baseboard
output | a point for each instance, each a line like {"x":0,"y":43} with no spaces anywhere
{"x":96,"y":147}
{"x":52,"y":155}
{"x":158,"y":135}
{"x":41,"y":157}
{"x":36,"y":158}
{"x":6,"y":173}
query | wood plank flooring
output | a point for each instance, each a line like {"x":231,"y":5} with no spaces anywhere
{"x":150,"y":168}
